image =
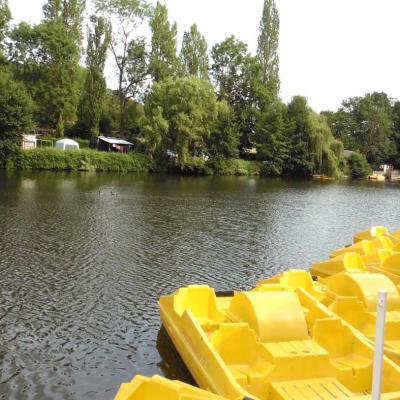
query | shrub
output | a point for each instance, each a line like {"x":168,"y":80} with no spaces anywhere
{"x":82,"y":160}
{"x":358,"y":166}
{"x":9,"y":151}
{"x":233,"y":166}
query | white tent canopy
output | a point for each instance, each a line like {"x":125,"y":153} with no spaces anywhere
{"x":67,"y":144}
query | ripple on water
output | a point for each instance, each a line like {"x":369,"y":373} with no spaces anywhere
{"x":84,"y":258}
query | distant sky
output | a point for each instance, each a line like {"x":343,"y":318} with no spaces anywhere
{"x":329,"y":49}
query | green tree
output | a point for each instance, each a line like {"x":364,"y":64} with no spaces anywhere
{"x":225,"y":136}
{"x":343,"y":127}
{"x":194,"y":57}
{"x":129,"y":51}
{"x":298,"y":131}
{"x":46,"y":58}
{"x":181,"y":114}
{"x":54,"y":48}
{"x":99,"y":38}
{"x":163,"y":57}
{"x":268,"y":43}
{"x":327,"y":152}
{"x":15,"y":116}
{"x":373,"y":126}
{"x":358,"y":166}
{"x":269,"y":135}
{"x":228,"y":67}
{"x":137,"y":68}
{"x":396,"y":136}
{"x":312,"y":147}
{"x":69,"y":13}
{"x":237,"y":76}
{"x":5,"y":17}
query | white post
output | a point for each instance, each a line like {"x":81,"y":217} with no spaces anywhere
{"x":379,"y":345}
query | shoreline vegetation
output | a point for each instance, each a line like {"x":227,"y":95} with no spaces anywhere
{"x":86,"y":160}
{"x":199,"y":110}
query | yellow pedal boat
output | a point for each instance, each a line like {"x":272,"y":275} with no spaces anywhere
{"x":270,"y":343}
{"x":158,"y":388}
{"x":373,"y":245}
{"x":375,"y":232}
{"x":385,"y":262}
{"x":366,"y":247}
{"x":352,"y":297}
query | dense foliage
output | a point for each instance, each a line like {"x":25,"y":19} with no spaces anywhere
{"x":358,"y":166}
{"x":83,"y":160}
{"x":191,"y":109}
{"x":15,"y":116}
{"x":369,"y":124}
{"x":194,"y":57}
{"x":163,"y":57}
{"x":268,"y":43}
{"x":180,"y":116}
{"x":99,"y":39}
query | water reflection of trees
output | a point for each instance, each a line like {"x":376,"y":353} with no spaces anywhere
{"x":171,"y":362}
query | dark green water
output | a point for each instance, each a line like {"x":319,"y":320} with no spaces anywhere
{"x":84,"y":258}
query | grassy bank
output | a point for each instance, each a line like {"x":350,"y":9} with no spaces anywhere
{"x":48,"y":159}
{"x":216,"y":166}
{"x":233,"y":166}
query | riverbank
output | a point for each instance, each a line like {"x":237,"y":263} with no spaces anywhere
{"x":49,"y":159}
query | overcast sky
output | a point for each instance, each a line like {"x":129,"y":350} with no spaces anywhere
{"x":329,"y":49}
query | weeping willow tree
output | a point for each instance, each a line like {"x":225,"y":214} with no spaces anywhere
{"x":313,"y":148}
{"x":327,"y":152}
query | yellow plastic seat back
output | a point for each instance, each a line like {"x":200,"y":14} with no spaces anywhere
{"x":371,"y":233}
{"x":201,"y":300}
{"x":333,"y":336}
{"x":365,"y":287}
{"x":297,"y":278}
{"x":352,"y":262}
{"x":348,"y":262}
{"x":351,"y":309}
{"x":293,"y":280}
{"x":376,"y":258}
{"x":275,"y":316}
{"x":382,"y":243}
{"x":363,"y":247}
{"x":392,"y":264}
{"x":236,"y":343}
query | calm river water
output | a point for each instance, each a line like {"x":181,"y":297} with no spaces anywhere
{"x":84,"y":258}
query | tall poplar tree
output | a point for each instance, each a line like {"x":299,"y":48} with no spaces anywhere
{"x":70,"y":13}
{"x":163,"y":57}
{"x":194,"y":57}
{"x":99,"y":39}
{"x":268,"y":43}
{"x":5,"y":17}
{"x":129,"y":52}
